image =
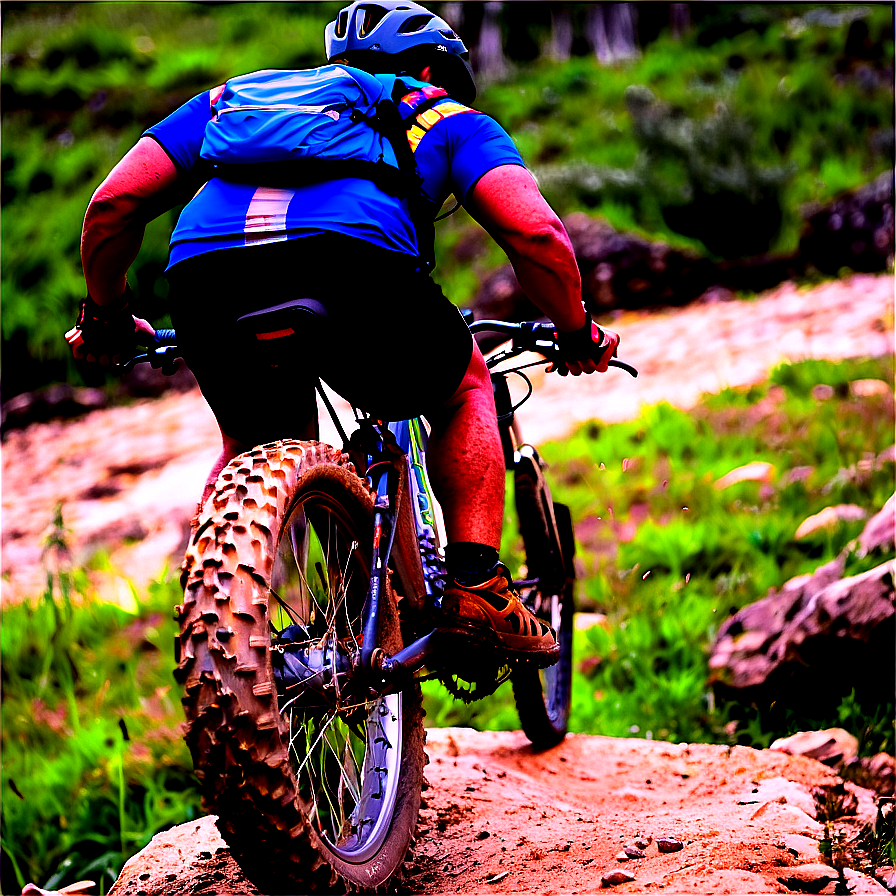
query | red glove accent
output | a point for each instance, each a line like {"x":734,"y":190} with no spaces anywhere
{"x":104,"y":333}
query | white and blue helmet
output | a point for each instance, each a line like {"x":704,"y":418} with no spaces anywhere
{"x":392,"y":27}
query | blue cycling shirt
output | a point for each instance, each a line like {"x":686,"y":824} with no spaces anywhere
{"x":451,"y":158}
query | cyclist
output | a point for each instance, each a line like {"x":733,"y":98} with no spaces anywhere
{"x":353,"y":249}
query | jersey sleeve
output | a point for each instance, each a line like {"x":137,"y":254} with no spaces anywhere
{"x":459,"y":150}
{"x":181,"y":133}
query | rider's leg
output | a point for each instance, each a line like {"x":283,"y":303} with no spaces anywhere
{"x":466,"y":462}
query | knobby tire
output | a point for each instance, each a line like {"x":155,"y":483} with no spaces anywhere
{"x":543,"y":697}
{"x":289,"y":833}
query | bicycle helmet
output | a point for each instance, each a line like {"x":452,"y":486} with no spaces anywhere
{"x":391,"y":28}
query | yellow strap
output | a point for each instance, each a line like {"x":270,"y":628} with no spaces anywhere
{"x":431,"y":117}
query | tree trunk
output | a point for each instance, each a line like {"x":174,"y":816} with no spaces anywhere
{"x":491,"y":50}
{"x":679,"y":18}
{"x":560,"y":47}
{"x":610,"y":29}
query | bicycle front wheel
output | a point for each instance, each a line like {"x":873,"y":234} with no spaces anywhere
{"x":313,"y":779}
{"x":543,"y":696}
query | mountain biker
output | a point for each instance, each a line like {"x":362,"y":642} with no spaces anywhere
{"x":391,"y":342}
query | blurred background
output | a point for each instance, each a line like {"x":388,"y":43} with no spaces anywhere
{"x":696,"y":152}
{"x":714,"y":129}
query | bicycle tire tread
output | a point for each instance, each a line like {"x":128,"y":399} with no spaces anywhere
{"x":230,"y":699}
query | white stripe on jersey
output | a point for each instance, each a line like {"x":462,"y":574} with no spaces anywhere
{"x":266,"y":215}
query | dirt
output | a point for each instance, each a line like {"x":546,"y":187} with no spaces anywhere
{"x":498,"y":817}
{"x":128,"y":478}
{"x":501,"y":818}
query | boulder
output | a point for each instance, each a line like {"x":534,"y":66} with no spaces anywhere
{"x":626,"y":271}
{"x":854,"y":231}
{"x":802,"y":645}
{"x":877,"y":773}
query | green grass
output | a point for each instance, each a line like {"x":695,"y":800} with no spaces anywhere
{"x":667,"y":557}
{"x":93,"y":760}
{"x":776,"y":110}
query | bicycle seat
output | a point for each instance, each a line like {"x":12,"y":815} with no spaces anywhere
{"x":279,"y":320}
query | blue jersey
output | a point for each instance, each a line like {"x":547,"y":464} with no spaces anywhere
{"x":452,"y":152}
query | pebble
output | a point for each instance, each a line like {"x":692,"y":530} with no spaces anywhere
{"x":632,"y":852}
{"x":887,"y":875}
{"x":812,"y":877}
{"x":669,"y":844}
{"x":616,"y":876}
{"x":642,"y":842}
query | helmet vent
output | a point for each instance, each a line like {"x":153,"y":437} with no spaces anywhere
{"x":373,"y":15}
{"x":415,"y":23}
{"x":342,"y":23}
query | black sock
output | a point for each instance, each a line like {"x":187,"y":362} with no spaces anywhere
{"x":469,"y":563}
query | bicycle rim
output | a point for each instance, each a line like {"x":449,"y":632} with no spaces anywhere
{"x":345,"y":750}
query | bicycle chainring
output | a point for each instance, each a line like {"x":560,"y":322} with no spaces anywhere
{"x":482,"y":682}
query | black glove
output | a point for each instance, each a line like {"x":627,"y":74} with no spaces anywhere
{"x":588,"y":342}
{"x":106,"y":330}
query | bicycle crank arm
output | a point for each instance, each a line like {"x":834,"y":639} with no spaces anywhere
{"x":393,"y":672}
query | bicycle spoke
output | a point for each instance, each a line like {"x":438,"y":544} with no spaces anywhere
{"x":344,"y":758}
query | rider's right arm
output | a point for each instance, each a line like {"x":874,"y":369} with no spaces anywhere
{"x":506,"y":201}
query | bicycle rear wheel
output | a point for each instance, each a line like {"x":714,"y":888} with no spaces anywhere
{"x":543,"y":696}
{"x":313,"y":780}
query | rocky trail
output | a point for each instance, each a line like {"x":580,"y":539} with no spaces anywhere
{"x":127,"y":478}
{"x":498,"y":817}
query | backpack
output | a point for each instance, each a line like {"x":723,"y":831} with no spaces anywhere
{"x":288,"y":128}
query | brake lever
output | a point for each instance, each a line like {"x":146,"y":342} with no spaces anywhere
{"x":528,"y":340}
{"x":161,"y":358}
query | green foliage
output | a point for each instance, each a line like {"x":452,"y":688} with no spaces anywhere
{"x":666,"y":556}
{"x":751,"y":115}
{"x":93,"y":761}
{"x":758,"y":110}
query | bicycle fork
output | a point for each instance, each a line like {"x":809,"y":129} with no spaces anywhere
{"x":403,"y":507}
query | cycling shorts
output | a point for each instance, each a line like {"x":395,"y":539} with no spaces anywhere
{"x":391,"y":343}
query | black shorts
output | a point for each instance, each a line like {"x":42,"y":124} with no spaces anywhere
{"x":391,"y":343}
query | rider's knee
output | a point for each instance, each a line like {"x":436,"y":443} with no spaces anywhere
{"x":476,"y":384}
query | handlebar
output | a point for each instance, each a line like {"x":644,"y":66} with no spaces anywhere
{"x":161,"y":354}
{"x":533,"y":336}
{"x":528,"y":336}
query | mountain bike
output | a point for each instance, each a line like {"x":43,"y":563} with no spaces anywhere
{"x":310,"y":584}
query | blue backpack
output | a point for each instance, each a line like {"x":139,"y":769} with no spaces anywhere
{"x":288,"y":128}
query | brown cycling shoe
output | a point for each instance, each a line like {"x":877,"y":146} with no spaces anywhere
{"x":491,"y":614}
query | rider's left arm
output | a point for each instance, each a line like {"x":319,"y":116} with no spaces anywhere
{"x":132,"y":194}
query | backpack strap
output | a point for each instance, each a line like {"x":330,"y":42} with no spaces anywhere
{"x":426,"y":120}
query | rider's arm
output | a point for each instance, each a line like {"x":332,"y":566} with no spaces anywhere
{"x":117,"y":215}
{"x":506,"y":201}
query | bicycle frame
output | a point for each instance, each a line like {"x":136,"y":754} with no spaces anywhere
{"x":393,"y":458}
{"x":410,"y":438}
